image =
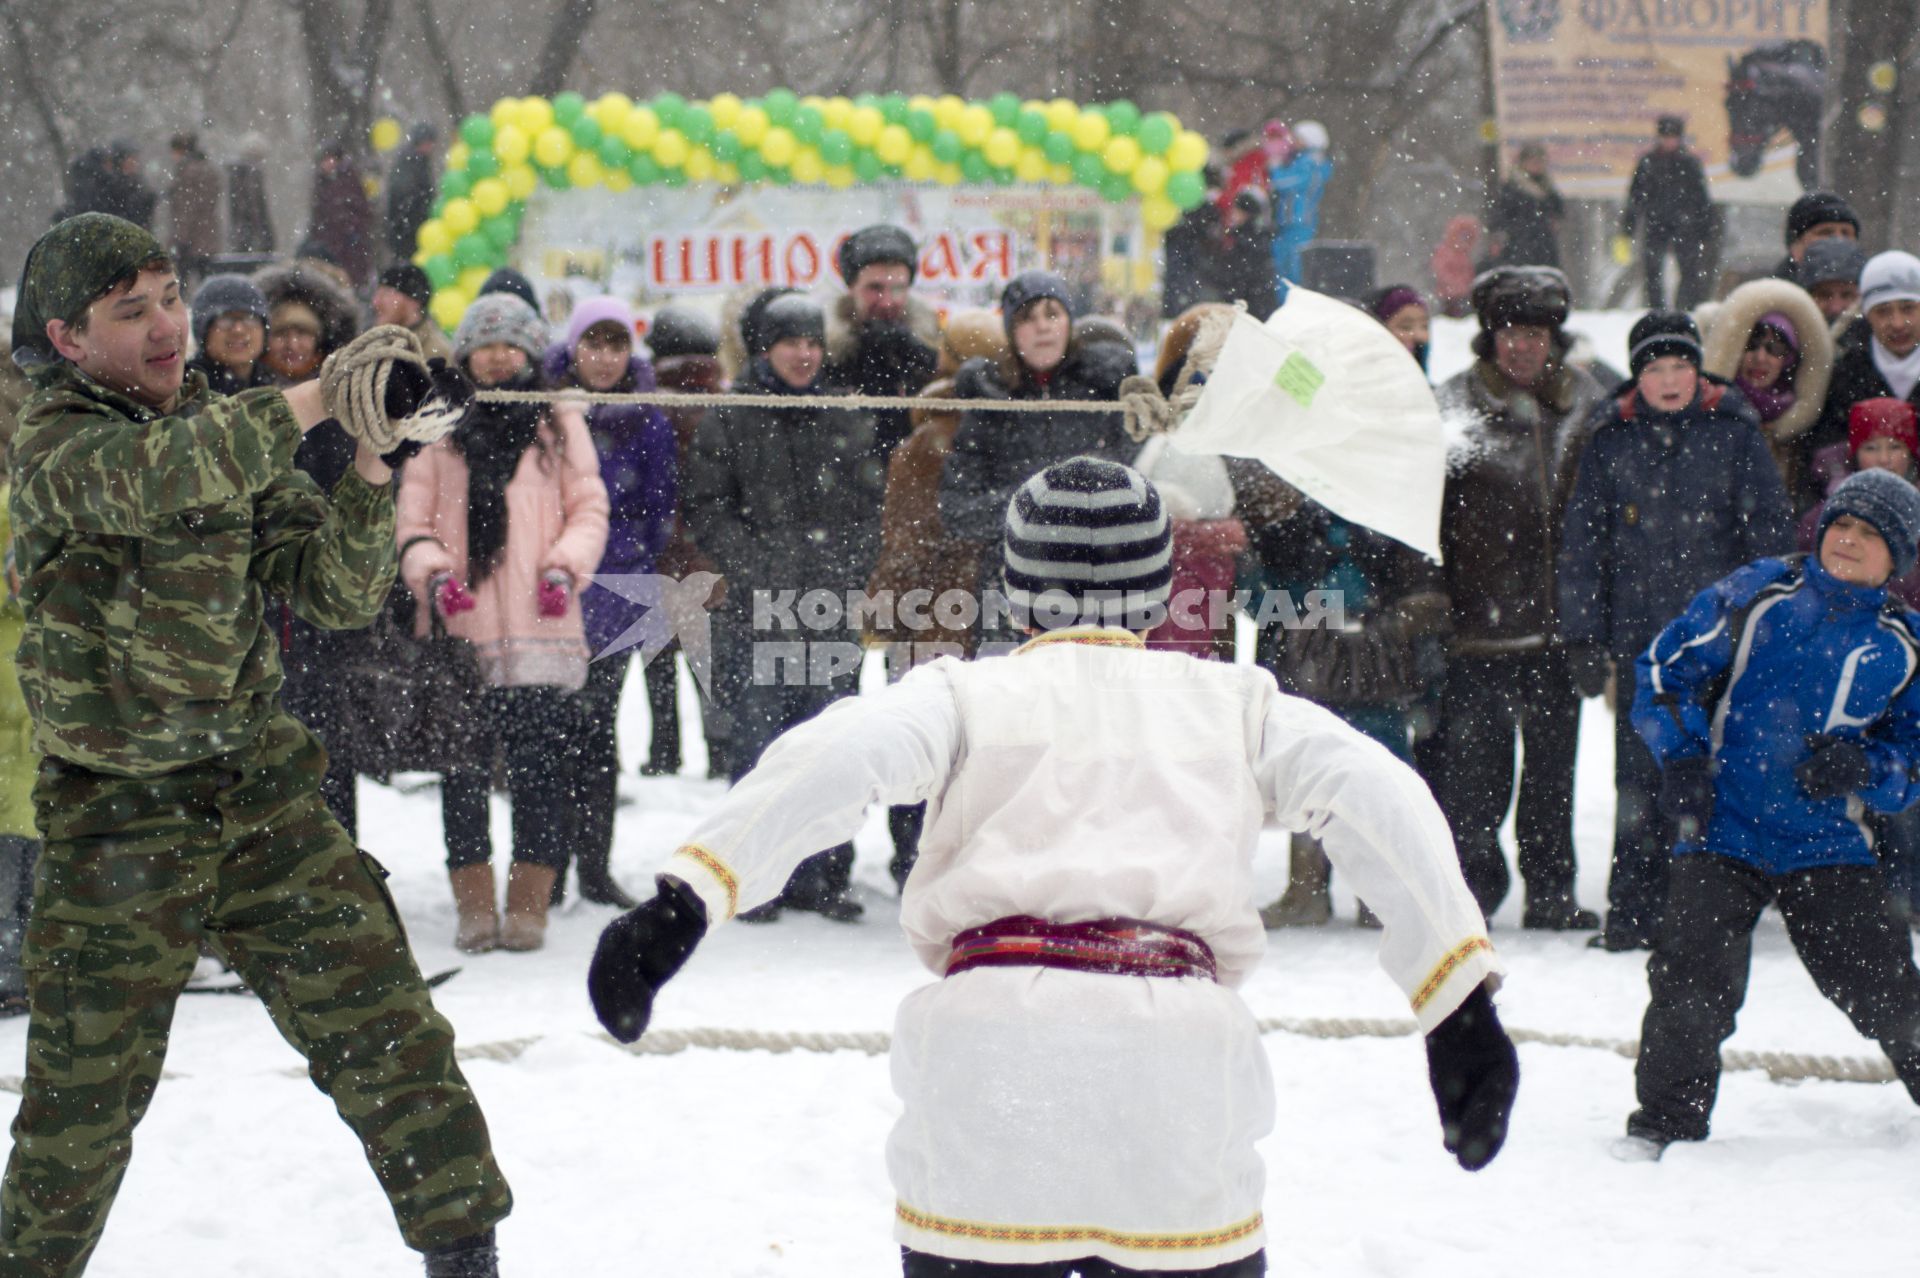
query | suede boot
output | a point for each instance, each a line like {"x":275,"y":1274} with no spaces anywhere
{"x":529,"y":888}
{"x":478,"y":928}
{"x":1306,"y":902}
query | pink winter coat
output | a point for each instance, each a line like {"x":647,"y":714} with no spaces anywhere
{"x":556,"y":518}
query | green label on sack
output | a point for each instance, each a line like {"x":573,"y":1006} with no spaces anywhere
{"x":1300,"y":379}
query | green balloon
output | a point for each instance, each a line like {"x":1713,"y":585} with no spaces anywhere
{"x":836,"y":147}
{"x":922,"y":125}
{"x":1156,"y":133}
{"x":1124,"y":116}
{"x":674,"y":177}
{"x":472,"y":249}
{"x":779,"y":176}
{"x":668,"y":108}
{"x":455,"y":184}
{"x":1116,"y":187}
{"x":1088,"y":169}
{"x":501,"y":231}
{"x":867,"y":100}
{"x":752,"y":167}
{"x":477,"y":132}
{"x":483,"y":164}
{"x":974,"y":167}
{"x":780,"y":104}
{"x":442,"y":270}
{"x":947,"y":147}
{"x":567,"y":108}
{"x":1004,"y":177}
{"x":556,"y":178}
{"x":1186,"y":189}
{"x":1005,"y":107}
{"x":866,"y":165}
{"x":1032,"y":127}
{"x":726,"y":147}
{"x":615,"y":153}
{"x":586,"y":133}
{"x":697,"y":123}
{"x":644,"y":168}
{"x":894,"y":108}
{"x":807,"y":126}
{"x":1059,"y":148}
{"x":439,"y":205}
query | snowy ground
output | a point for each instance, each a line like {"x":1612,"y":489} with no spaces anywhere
{"x":750,"y":1164}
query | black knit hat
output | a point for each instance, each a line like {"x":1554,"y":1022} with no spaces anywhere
{"x":682,"y":330}
{"x":508,"y":280}
{"x":1027,"y":288}
{"x":1088,"y":543}
{"x":778,"y":314}
{"x":879,"y":243}
{"x":409,"y":280}
{"x":1670,"y":126}
{"x":1884,"y":500}
{"x":221,"y":295}
{"x":1815,"y":207}
{"x":1663,"y":333}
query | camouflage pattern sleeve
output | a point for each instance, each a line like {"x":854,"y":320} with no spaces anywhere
{"x":333,"y":560}
{"x":92,"y":472}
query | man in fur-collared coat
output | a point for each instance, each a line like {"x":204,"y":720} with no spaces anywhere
{"x":881,"y":340}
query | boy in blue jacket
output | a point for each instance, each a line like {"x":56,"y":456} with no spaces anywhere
{"x":1781,"y":706}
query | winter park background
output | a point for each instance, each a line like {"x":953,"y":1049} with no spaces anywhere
{"x":747,"y":1164}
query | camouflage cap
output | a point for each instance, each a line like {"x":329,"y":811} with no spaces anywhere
{"x":73,"y":263}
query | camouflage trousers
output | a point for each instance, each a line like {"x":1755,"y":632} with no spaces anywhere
{"x":240,"y":853}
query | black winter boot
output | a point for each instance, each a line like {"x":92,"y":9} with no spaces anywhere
{"x":474,"y":1258}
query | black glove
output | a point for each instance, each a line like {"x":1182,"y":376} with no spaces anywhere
{"x":639,"y":952}
{"x":408,"y":388}
{"x":1837,"y":766}
{"x":1686,"y":794}
{"x":1475,"y":1073}
{"x":1589,"y":665}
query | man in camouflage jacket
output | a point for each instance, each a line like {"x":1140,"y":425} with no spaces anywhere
{"x":178,"y":801}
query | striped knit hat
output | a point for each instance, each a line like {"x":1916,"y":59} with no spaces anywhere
{"x":1088,"y":543}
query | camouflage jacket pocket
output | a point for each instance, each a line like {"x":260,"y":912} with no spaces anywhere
{"x":199,"y":613}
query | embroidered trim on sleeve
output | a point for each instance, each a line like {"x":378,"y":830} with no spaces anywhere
{"x":1447,"y":967}
{"x":1039,"y":1234}
{"x":718,"y":869}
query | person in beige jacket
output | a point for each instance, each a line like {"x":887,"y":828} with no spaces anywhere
{"x":501,"y":525}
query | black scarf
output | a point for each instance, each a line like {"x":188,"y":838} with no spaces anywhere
{"x":493,"y":439}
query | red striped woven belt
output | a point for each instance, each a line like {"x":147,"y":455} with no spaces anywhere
{"x":1123,"y":947}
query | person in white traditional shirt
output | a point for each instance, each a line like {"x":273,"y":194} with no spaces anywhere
{"x":1083,"y":1090}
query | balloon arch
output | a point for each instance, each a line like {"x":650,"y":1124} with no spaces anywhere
{"x":566,"y":142}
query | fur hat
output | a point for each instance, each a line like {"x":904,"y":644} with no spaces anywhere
{"x":307,"y":293}
{"x":1519,"y":296}
{"x":1884,"y":500}
{"x":879,"y":243}
{"x":500,"y":317}
{"x":1660,"y":333}
{"x":1088,"y":542}
{"x":682,"y":330}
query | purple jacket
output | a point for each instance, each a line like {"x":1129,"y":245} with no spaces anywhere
{"x":638,"y":462}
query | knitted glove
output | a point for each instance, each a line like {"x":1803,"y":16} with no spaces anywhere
{"x":1838,"y":766}
{"x":1475,"y":1073}
{"x":1686,"y":795}
{"x":450,"y":596}
{"x":357,"y":389}
{"x":1589,"y":665}
{"x":553,"y":594}
{"x":639,"y":952}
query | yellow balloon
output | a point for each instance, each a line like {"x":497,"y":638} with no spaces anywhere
{"x":1033,"y":104}
{"x":535,"y":114}
{"x":434,"y":237}
{"x":505,"y":111}
{"x":512,"y":144}
{"x":1158,"y":212}
{"x":947,"y":111}
{"x":1090,"y":132}
{"x":699,"y":165}
{"x":1188,"y":153}
{"x":725,"y":109}
{"x":385,"y":134}
{"x":521,"y":180}
{"x":460,"y":217}
{"x":837,"y":112}
{"x":921,"y":102}
{"x":1062,"y":115}
{"x":949,"y":175}
{"x":808,"y":167}
{"x":1122,"y":155}
{"x":894,"y":144}
{"x":726,"y":174}
{"x":490,"y":196}
{"x":976,"y":122}
{"x":920,"y":164}
{"x":1002,"y":148}
{"x":815,"y":101}
{"x":1032,"y":165}
{"x":473,"y":279}
{"x":1150,"y":175}
{"x":459,"y":155}
{"x":864,"y":125}
{"x":618,"y":180}
{"x":614,"y":110}
{"x":751,"y":126}
{"x":671,"y":148}
{"x":840,"y":176}
{"x":584,"y":169}
{"x":778,"y":148}
{"x":1060,"y":175}
{"x":641,"y":128}
{"x":553,"y":147}
{"x":448,"y":305}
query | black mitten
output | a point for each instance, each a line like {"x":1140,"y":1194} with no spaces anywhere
{"x":1686,"y":794}
{"x":441,"y":386}
{"x":1475,"y":1073}
{"x":1837,"y":766}
{"x":639,"y":952}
